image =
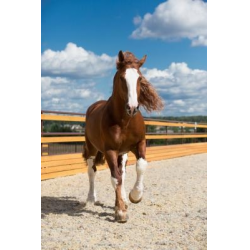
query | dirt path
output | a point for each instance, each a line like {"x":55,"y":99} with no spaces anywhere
{"x":172,"y":214}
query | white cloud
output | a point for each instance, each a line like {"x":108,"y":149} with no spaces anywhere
{"x":175,"y":20}
{"x":183,"y":89}
{"x":200,"y":41}
{"x":75,"y":62}
{"x":59,"y":93}
{"x":137,"y":20}
{"x":179,"y":102}
{"x":69,"y":78}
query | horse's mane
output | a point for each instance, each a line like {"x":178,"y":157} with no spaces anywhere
{"x":129,"y":59}
{"x":149,"y":98}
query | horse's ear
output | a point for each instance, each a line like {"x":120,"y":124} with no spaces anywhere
{"x":142,"y":61}
{"x":120,"y":56}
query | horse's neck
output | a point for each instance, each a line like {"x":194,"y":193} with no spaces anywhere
{"x":116,"y":107}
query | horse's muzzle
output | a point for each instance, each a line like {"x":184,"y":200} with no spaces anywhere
{"x":131,"y":111}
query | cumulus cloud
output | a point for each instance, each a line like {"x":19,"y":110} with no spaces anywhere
{"x":70,"y":76}
{"x":75,"y":62}
{"x":184,"y":90}
{"x":175,"y":20}
{"x":60,"y":93}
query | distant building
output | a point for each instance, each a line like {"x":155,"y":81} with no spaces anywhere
{"x":75,"y":127}
{"x":78,"y":128}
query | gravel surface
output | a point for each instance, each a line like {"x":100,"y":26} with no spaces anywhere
{"x":172,"y":214}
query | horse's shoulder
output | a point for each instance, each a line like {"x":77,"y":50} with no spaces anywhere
{"x":94,"y":106}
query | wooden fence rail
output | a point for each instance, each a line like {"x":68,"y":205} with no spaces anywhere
{"x":69,"y":164}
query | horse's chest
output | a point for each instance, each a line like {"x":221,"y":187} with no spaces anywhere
{"x":124,"y":137}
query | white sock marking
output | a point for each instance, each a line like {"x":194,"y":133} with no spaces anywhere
{"x":124,"y":160}
{"x":137,"y":191}
{"x":114,"y":182}
{"x":92,"y":193}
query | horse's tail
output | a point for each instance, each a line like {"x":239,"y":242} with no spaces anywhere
{"x":99,"y":158}
{"x":84,"y":153}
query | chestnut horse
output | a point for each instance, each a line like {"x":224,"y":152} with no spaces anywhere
{"x":116,"y":126}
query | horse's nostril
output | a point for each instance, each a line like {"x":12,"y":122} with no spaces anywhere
{"x":131,"y":110}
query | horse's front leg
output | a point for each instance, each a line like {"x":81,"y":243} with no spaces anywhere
{"x":117,"y":170}
{"x":91,"y":173}
{"x":136,"y":193}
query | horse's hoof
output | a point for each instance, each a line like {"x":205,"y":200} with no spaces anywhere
{"x":132,"y":200}
{"x":121,"y":217}
{"x":98,"y":203}
{"x":90,"y":203}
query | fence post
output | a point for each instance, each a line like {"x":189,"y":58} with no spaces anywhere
{"x":166,"y":134}
{"x":41,"y":132}
{"x":182,"y":134}
{"x":147,"y":141}
{"x":195,"y":130}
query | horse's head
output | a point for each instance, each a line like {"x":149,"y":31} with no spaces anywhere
{"x":129,"y":77}
{"x":133,"y":88}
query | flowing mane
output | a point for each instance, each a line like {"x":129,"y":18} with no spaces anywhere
{"x":149,"y":98}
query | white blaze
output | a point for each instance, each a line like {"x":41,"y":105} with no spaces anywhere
{"x":131,"y":76}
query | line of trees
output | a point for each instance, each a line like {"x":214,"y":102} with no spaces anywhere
{"x":60,"y":126}
{"x":198,"y":119}
{"x":56,"y":126}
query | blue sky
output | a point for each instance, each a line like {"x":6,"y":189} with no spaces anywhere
{"x":81,"y":39}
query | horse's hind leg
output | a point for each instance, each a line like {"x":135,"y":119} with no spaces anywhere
{"x":92,"y":173}
{"x":89,"y":155}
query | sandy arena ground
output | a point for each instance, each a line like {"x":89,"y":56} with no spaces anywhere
{"x":172,"y":214}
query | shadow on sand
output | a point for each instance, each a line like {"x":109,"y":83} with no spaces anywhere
{"x":71,"y":207}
